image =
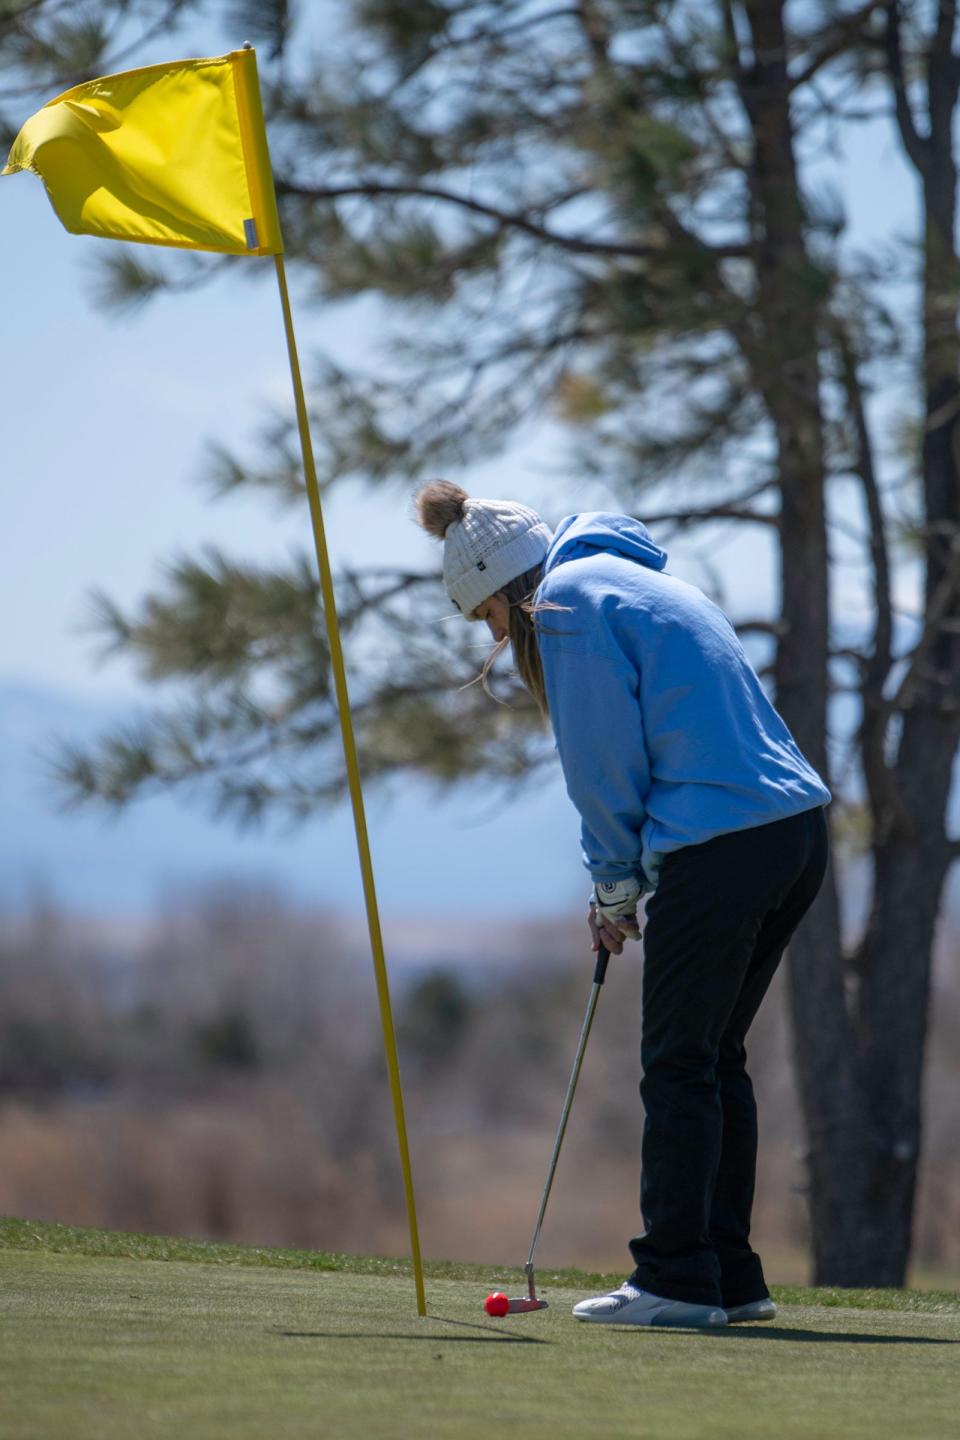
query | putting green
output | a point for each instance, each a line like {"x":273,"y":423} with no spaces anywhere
{"x":107,"y":1348}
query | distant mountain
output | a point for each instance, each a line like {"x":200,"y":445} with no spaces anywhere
{"x":461,"y":859}
{"x":452,"y":856}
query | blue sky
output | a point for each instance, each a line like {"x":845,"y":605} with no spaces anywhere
{"x":105,"y":424}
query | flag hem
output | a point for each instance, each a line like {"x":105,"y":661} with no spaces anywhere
{"x":256,"y":156}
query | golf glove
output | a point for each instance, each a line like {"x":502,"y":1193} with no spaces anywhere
{"x":616,"y":899}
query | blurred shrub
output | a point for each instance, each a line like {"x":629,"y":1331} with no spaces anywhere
{"x":221,"y":1073}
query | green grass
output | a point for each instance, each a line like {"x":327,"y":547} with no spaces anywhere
{"x":108,"y":1336}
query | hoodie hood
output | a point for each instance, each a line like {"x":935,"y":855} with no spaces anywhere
{"x":580,"y":535}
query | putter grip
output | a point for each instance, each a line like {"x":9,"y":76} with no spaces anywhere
{"x":600,"y":974}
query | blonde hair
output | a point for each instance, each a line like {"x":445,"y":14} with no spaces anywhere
{"x":522,"y":627}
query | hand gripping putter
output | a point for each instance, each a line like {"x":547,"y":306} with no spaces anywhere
{"x":530,"y":1301}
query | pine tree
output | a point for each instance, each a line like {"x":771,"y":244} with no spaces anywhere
{"x":598,"y":211}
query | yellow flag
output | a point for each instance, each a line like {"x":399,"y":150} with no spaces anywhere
{"x":169,"y":155}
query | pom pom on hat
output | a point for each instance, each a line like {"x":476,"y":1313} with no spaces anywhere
{"x":439,"y":505}
{"x":486,"y":543}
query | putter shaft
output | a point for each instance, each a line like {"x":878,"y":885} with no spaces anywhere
{"x":599,"y":976}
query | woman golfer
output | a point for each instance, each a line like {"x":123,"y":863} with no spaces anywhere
{"x":691,"y":789}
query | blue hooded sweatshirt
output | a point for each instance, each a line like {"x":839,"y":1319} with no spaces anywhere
{"x":665,"y":735}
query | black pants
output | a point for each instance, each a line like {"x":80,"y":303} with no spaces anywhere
{"x":716,"y":929}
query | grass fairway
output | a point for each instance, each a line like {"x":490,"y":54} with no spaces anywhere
{"x":108,"y":1337}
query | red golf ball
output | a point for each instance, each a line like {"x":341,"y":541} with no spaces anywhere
{"x":497,"y":1303}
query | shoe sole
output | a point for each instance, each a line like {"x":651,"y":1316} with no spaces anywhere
{"x":661,"y":1322}
{"x":734,"y":1319}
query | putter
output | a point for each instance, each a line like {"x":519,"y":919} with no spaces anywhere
{"x":530,"y":1301}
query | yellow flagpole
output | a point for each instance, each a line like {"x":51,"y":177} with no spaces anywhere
{"x":353,"y":775}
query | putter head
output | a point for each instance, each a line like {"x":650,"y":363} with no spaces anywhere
{"x":525,"y":1303}
{"x":529,"y":1301}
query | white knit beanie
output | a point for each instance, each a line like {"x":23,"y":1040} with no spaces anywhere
{"x":486,"y":543}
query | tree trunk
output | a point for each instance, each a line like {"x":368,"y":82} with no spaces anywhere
{"x":912,"y":853}
{"x":859,"y":1035}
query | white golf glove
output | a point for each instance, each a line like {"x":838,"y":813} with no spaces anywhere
{"x":616,"y":899}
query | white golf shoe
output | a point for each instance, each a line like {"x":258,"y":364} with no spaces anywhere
{"x":756,"y":1310}
{"x":631,"y":1306}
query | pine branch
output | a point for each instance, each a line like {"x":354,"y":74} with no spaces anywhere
{"x":242,"y":755}
{"x":917,"y":146}
{"x":66,"y":66}
{"x":683,"y":518}
{"x":13,"y":17}
{"x":922,"y":681}
{"x":776,"y":628}
{"x":838,"y":38}
{"x":450,"y":44}
{"x":122,"y":281}
{"x":879,"y":776}
{"x":865,"y":468}
{"x":262,"y":731}
{"x":509,"y":220}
